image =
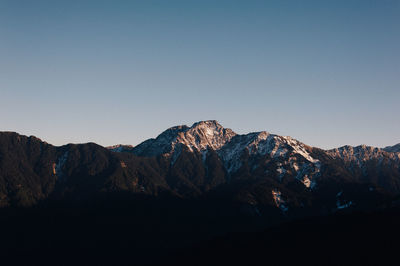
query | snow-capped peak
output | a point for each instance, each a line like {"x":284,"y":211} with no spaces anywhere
{"x":293,"y":156}
{"x":205,"y":134}
{"x":199,"y":137}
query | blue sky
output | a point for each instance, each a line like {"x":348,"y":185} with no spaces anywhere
{"x":324,"y":72}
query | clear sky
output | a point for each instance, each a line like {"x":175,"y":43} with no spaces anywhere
{"x":324,"y":72}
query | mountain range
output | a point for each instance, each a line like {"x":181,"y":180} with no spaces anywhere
{"x":205,"y":177}
{"x":192,"y":161}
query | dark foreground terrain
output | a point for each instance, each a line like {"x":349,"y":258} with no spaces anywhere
{"x":110,"y":235}
{"x":352,"y":239}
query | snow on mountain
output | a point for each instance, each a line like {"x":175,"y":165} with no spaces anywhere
{"x":211,"y":135}
{"x":230,"y":146}
{"x":58,"y":167}
{"x":120,"y":148}
{"x":362,"y":153}
{"x":294,"y":154}
{"x":289,"y":156}
{"x":371,"y":163}
{"x":199,"y":137}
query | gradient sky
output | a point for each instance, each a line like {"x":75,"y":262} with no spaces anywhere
{"x":324,"y":72}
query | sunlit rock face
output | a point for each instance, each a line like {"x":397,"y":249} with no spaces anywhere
{"x":199,"y":137}
{"x":363,"y":153}
{"x":231,"y":147}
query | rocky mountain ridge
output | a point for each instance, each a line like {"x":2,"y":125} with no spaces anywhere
{"x":261,"y":172}
{"x":210,"y":135}
{"x":394,"y":148}
{"x":205,"y":135}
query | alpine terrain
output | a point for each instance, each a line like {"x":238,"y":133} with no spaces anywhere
{"x":193,"y":191}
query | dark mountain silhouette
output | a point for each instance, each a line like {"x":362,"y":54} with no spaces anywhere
{"x":394,"y":148}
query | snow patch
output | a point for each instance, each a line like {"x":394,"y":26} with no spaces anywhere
{"x":59,"y":165}
{"x":344,"y":205}
{"x":306,"y":181}
{"x":281,"y":171}
{"x":308,"y":174}
{"x":204,"y":156}
{"x":295,"y":166}
{"x":298,"y":148}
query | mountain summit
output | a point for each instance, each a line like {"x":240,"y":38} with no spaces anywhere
{"x":199,"y":137}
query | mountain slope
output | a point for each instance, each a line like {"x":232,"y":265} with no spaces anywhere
{"x":394,"y":148}
{"x":371,"y":164}
{"x":261,"y":172}
{"x":26,"y":169}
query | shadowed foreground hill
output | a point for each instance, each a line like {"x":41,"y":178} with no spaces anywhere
{"x":351,"y":239}
{"x":105,"y":235}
